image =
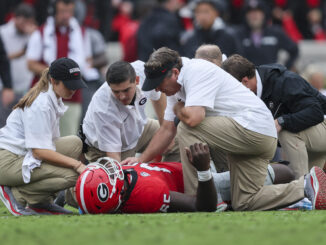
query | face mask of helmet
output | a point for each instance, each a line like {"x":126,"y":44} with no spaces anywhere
{"x":99,"y":188}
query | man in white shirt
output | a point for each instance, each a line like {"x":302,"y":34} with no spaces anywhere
{"x":15,"y":35}
{"x":299,"y":110}
{"x":62,"y":36}
{"x":219,"y":111}
{"x":115,"y":124}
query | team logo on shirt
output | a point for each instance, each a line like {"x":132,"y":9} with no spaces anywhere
{"x":103,"y":192}
{"x":143,"y":101}
{"x":144,"y":174}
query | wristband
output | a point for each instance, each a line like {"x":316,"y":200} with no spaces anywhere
{"x":204,"y":175}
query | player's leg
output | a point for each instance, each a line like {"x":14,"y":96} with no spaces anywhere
{"x":276,"y":174}
{"x":282,"y":174}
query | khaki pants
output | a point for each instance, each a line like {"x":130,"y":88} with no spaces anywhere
{"x":45,"y":180}
{"x":248,"y":156}
{"x":304,"y":149}
{"x":149,"y":130}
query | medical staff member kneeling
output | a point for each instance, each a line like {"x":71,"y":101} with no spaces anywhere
{"x":35,"y":163}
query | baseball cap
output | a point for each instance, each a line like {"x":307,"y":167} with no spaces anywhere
{"x":67,"y":71}
{"x":155,"y":75}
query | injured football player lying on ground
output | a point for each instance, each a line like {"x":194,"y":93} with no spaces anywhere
{"x":107,"y":187}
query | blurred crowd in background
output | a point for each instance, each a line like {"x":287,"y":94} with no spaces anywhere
{"x":256,"y":29}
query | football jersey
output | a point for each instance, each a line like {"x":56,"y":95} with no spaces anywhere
{"x":150,"y":185}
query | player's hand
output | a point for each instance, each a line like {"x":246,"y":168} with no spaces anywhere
{"x":198,"y":155}
{"x":130,"y":160}
{"x":8,"y":96}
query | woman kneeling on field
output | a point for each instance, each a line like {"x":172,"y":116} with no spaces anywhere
{"x":35,"y":163}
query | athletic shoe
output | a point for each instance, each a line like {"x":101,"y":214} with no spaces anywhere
{"x":60,"y":200}
{"x":11,"y":204}
{"x":315,"y":188}
{"x":221,"y":207}
{"x":49,"y":208}
{"x":304,"y":204}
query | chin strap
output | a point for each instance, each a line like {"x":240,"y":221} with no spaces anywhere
{"x":130,"y":185}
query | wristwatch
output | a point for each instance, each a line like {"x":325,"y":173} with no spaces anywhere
{"x":280,"y":121}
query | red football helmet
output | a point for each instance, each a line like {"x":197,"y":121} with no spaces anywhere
{"x":98,"y":188}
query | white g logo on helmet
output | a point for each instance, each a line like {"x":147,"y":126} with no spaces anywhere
{"x":103,"y":192}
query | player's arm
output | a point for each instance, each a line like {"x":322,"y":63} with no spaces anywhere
{"x":158,"y":144}
{"x":206,"y":198}
{"x":283,"y":174}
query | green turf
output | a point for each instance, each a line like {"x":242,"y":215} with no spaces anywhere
{"x":245,"y":228}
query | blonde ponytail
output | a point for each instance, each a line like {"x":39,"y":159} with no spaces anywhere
{"x":41,"y":86}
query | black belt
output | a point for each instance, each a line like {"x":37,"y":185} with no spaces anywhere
{"x":82,"y":136}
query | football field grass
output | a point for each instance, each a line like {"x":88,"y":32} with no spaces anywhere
{"x":243,"y":228}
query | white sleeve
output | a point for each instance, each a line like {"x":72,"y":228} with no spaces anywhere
{"x":153,"y":95}
{"x":34,"y":47}
{"x":169,"y":114}
{"x":39,"y":126}
{"x":108,"y":132}
{"x":201,"y":87}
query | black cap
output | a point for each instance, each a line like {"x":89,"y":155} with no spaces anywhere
{"x":155,"y":75}
{"x":67,"y":71}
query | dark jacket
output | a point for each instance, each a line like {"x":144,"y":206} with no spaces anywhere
{"x":5,"y":74}
{"x":223,"y":38}
{"x":160,"y":28}
{"x":273,"y":40}
{"x":291,"y":98}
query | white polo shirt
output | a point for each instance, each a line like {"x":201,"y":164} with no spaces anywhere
{"x":35,"y":127}
{"x":205,"y":84}
{"x":111,"y":126}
